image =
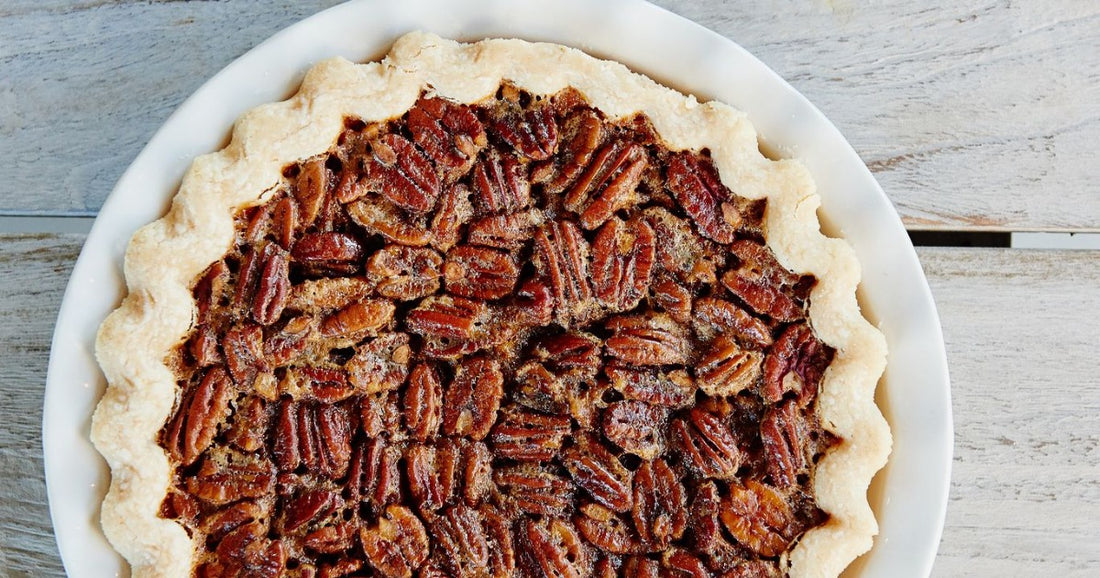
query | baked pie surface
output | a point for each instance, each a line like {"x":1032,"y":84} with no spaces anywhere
{"x":531,"y":315}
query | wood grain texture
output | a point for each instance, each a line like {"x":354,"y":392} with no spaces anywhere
{"x":972,"y":114}
{"x":1021,"y":347}
{"x":85,"y":84}
{"x":976,"y":114}
{"x":1025,"y":496}
{"x":33,"y":272}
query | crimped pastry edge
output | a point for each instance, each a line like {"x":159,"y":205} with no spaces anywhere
{"x":159,"y":310}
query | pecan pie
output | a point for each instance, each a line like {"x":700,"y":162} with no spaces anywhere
{"x":489,"y":310}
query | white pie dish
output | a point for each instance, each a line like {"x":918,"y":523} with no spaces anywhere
{"x":911,"y":492}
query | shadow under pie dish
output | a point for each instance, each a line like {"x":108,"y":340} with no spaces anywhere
{"x":490,"y":309}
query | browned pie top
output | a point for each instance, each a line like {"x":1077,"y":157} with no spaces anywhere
{"x":507,"y":338}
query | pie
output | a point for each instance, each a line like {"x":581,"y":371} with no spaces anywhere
{"x":490,"y":309}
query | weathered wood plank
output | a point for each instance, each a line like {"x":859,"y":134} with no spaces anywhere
{"x":1025,"y":496}
{"x":974,"y":114}
{"x":1021,"y":347}
{"x":33,"y":272}
{"x":84,"y":85}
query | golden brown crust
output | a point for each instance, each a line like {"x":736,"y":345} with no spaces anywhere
{"x":164,"y":258}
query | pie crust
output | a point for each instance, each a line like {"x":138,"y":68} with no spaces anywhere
{"x":165,"y":257}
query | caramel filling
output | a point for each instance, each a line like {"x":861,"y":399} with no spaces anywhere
{"x":509,"y":338}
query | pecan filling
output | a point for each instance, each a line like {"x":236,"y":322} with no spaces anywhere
{"x":514,"y":337}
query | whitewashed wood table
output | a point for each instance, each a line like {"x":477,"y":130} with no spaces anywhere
{"x":979,"y":118}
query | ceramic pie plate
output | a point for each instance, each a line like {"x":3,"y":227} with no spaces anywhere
{"x":909,"y":495}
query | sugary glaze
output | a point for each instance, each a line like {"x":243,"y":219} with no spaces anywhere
{"x":629,"y":388}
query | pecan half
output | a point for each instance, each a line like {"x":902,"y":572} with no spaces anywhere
{"x":273,"y":286}
{"x":431,"y":474}
{"x":333,"y":540}
{"x":450,"y":326}
{"x":608,"y":184}
{"x":608,"y":531}
{"x":398,"y":545}
{"x":476,"y":473}
{"x":314,"y":296}
{"x":448,"y":132}
{"x":758,"y":517}
{"x":727,"y":369}
{"x":286,"y":344}
{"x":380,"y":365}
{"x":358,"y":320}
{"x":532,"y":305}
{"x":680,"y":563}
{"x":715,"y":317}
{"x":379,"y":414}
{"x":501,"y":184}
{"x":198,"y":416}
{"x":327,"y":385}
{"x":210,"y":289}
{"x":460,"y":537}
{"x":389,"y":221}
{"x":783,"y":431}
{"x":660,"y":505}
{"x":471,"y":403}
{"x":680,"y":251}
{"x":551,"y":547}
{"x":672,"y":298}
{"x":480,"y":272}
{"x":226,"y":477}
{"x":694,"y":182}
{"x":424,"y":402}
{"x":375,"y":474}
{"x":636,"y":426}
{"x":707,"y":445}
{"x":404,"y":273}
{"x":570,"y":352}
{"x":310,"y":189}
{"x":647,"y":340}
{"x":453,"y":211}
{"x":315,"y":436}
{"x":244,"y":354}
{"x":284,"y":217}
{"x":246,"y":431}
{"x":502,"y":554}
{"x":622,"y":259}
{"x":760,"y":281}
{"x":403,"y":174}
{"x":796,"y":361}
{"x":596,"y":470}
{"x":673,"y":389}
{"x":505,"y":231}
{"x":534,"y":489}
{"x":203,"y":347}
{"x":527,"y":436}
{"x":708,"y":538}
{"x":756,"y":260}
{"x":246,"y":551}
{"x":563,"y":259}
{"x":227,"y":519}
{"x":307,"y":507}
{"x":533,"y":132}
{"x":329,"y":253}
{"x":582,"y":132}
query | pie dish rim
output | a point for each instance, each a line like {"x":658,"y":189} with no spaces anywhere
{"x":916,"y":483}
